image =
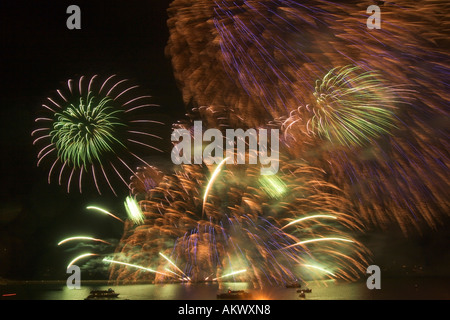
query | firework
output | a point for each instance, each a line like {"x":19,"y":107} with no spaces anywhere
{"x":270,"y":52}
{"x":376,"y":127}
{"x":136,"y":266}
{"x":231,"y":274}
{"x":204,"y":81}
{"x":319,"y":268}
{"x":144,"y":180}
{"x":398,"y":181}
{"x":211,"y":181}
{"x":135,"y":217}
{"x":273,"y":185}
{"x":352,"y":107}
{"x":365,"y":149}
{"x":82,"y":256}
{"x":81,"y":238}
{"x":134,"y":211}
{"x":96,"y":129}
{"x":174,"y":265}
{"x":241,"y":226}
{"x":98,"y":209}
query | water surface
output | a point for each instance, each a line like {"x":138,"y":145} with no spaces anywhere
{"x":408,"y":288}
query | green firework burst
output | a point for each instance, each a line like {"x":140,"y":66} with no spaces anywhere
{"x":84,"y":132}
{"x":95,"y":128}
{"x":352,"y":106}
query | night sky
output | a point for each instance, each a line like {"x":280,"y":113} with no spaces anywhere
{"x":38,"y":53}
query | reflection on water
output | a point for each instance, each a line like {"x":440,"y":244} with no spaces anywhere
{"x":391,"y":289}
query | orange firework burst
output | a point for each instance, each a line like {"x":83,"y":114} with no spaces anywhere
{"x":393,"y":165}
{"x":240,"y":225}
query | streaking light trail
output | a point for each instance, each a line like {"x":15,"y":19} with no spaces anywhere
{"x":136,"y":266}
{"x":318,"y":268}
{"x":231,"y":274}
{"x":134,"y":211}
{"x":82,"y":238}
{"x":211,"y":181}
{"x":173,"y":264}
{"x":317,"y":240}
{"x":173,"y":272}
{"x":310,"y":217}
{"x":104,"y":211}
{"x":80,"y":257}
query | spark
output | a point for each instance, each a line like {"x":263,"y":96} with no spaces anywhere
{"x":206,"y":279}
{"x":310,"y":217}
{"x":173,"y":264}
{"x":318,"y":268}
{"x":352,"y":107}
{"x":136,"y":266}
{"x":243,"y":226}
{"x":82,"y":238}
{"x":273,"y":185}
{"x":317,"y":240}
{"x":80,"y":257}
{"x":134,"y":211}
{"x":231,"y":274}
{"x":211,"y":181}
{"x":173,"y":273}
{"x":104,"y":211}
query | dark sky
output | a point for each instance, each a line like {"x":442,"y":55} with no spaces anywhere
{"x":38,"y":52}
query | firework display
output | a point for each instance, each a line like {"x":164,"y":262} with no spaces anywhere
{"x":366,"y":105}
{"x":133,"y":210}
{"x":214,"y":221}
{"x":145,"y":179}
{"x":274,"y":50}
{"x":347,"y":109}
{"x":363,"y":141}
{"x":94,"y":128}
{"x":81,"y":238}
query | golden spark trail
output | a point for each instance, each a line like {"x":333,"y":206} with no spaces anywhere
{"x":231,"y":274}
{"x":80,"y":257}
{"x":134,"y":211}
{"x":317,"y":240}
{"x":318,"y":268}
{"x":173,"y":273}
{"x":136,"y":266}
{"x":104,"y":211}
{"x":82,"y":238}
{"x":310,"y":217}
{"x":211,"y":181}
{"x":176,"y":267}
